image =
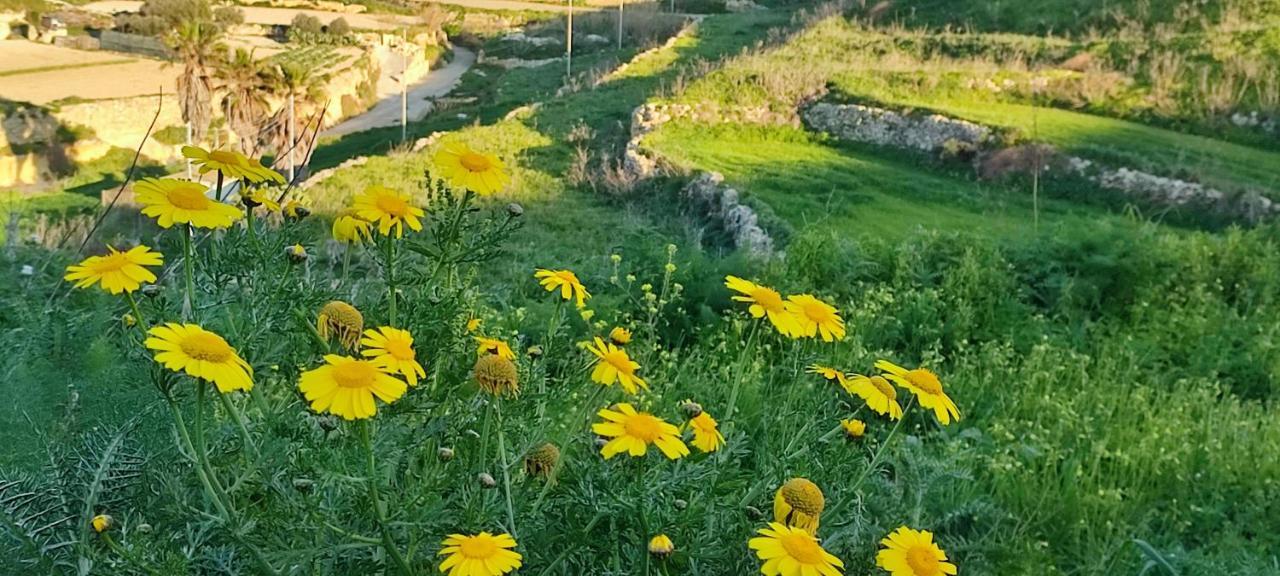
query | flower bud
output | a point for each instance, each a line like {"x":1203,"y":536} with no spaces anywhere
{"x":486,"y":480}
{"x":445,"y":454}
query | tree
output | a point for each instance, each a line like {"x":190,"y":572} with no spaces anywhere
{"x":196,"y":44}
{"x":302,"y":93}
{"x":306,"y":24}
{"x":246,"y":85}
{"x":339,"y":28}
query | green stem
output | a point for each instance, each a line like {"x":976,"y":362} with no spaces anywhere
{"x":185,"y":435}
{"x":188,"y":268}
{"x":248,"y":220}
{"x":875,"y":458}
{"x":380,"y":512}
{"x":506,"y":474}
{"x":391,"y":280}
{"x":118,"y":549}
{"x":346,"y":262}
{"x":217,"y":192}
{"x":241,"y":426}
{"x":137,"y":313}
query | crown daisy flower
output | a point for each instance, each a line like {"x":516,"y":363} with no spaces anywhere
{"x":816,"y":317}
{"x":853,"y":428}
{"x":337,"y":318}
{"x":346,"y":386}
{"x":565,"y":281}
{"x":388,"y":209}
{"x":877,"y":393}
{"x":910,"y":552}
{"x":392,"y":350}
{"x":829,"y":374}
{"x":231,"y":164}
{"x":614,"y":365}
{"x":541,"y":461}
{"x":764,"y":302}
{"x":350,"y":228}
{"x":706,"y":432}
{"x":661,"y":546}
{"x":497,"y":375}
{"x":788,"y":551}
{"x":116,"y":271}
{"x":481,"y":555}
{"x":927,"y":388}
{"x":200,"y":354}
{"x":620,"y":336}
{"x":486,"y":345}
{"x":632,"y":432}
{"x":255,"y":197}
{"x":465,"y":168}
{"x":101,"y":523}
{"x":295,"y":210}
{"x":798,"y":503}
{"x":172,"y":202}
{"x":474,"y":324}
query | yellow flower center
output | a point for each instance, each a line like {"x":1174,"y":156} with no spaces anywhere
{"x":110,"y":263}
{"x":392,"y":204}
{"x":802,"y":547}
{"x":926,"y":381}
{"x":478,"y":547}
{"x":803,"y":495}
{"x":400,"y":349}
{"x":922,"y":561}
{"x":342,"y":315}
{"x":206,"y":346}
{"x":355,"y":374}
{"x":883,"y":386}
{"x":767,"y":298}
{"x":223,"y":157}
{"x":817,"y":312}
{"x":619,"y":360}
{"x":643,"y":427}
{"x":474,"y":162}
{"x":189,"y":198}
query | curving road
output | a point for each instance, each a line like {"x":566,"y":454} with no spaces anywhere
{"x":387,"y":111}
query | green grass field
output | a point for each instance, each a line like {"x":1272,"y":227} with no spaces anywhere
{"x":1116,"y":376}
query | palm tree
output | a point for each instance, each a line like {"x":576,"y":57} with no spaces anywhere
{"x":301,"y":91}
{"x":197,"y":45}
{"x":246,"y":84}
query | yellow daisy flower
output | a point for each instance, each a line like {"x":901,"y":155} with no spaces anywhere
{"x":295,"y":210}
{"x":200,"y":354}
{"x":465,"y":168}
{"x":927,"y":388}
{"x":337,"y":318}
{"x":388,"y":209}
{"x":566,"y":281}
{"x":620,"y":336}
{"x":706,"y":432}
{"x":542,"y":460}
{"x":799,"y":503}
{"x":497,"y":375}
{"x":764,"y":302}
{"x":350,"y":228}
{"x":101,"y":523}
{"x":790,"y":551}
{"x":263,"y":173}
{"x":231,"y":164}
{"x":493,"y":346}
{"x":117,"y":271}
{"x":632,"y":432}
{"x":474,"y":324}
{"x":853,"y":428}
{"x":661,"y":546}
{"x":254,"y":197}
{"x":816,"y":317}
{"x":910,"y":552}
{"x":829,"y":373}
{"x":172,"y":202}
{"x":346,"y":386}
{"x":613,"y":365}
{"x":392,"y":350}
{"x":878,"y":394}
{"x":481,"y":555}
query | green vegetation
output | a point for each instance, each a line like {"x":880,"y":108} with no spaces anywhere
{"x":1117,"y":377}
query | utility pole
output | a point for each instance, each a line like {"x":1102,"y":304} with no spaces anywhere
{"x":621,"y":4}
{"x":568,"y":42}
{"x":404,"y":90}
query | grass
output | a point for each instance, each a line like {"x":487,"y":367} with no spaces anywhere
{"x":1117,"y":142}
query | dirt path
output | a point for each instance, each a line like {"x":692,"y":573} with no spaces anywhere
{"x":387,"y":111}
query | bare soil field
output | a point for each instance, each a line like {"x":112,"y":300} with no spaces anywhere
{"x":105,"y":74}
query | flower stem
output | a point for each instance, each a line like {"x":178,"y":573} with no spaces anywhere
{"x":241,"y":426}
{"x":506,"y":474}
{"x":380,"y":512}
{"x":188,"y":268}
{"x":217,"y":192}
{"x":137,"y":313}
{"x":391,"y":280}
{"x":201,"y":472}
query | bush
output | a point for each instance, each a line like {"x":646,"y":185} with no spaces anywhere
{"x":228,"y":16}
{"x":339,"y":27}
{"x":305,"y":24}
